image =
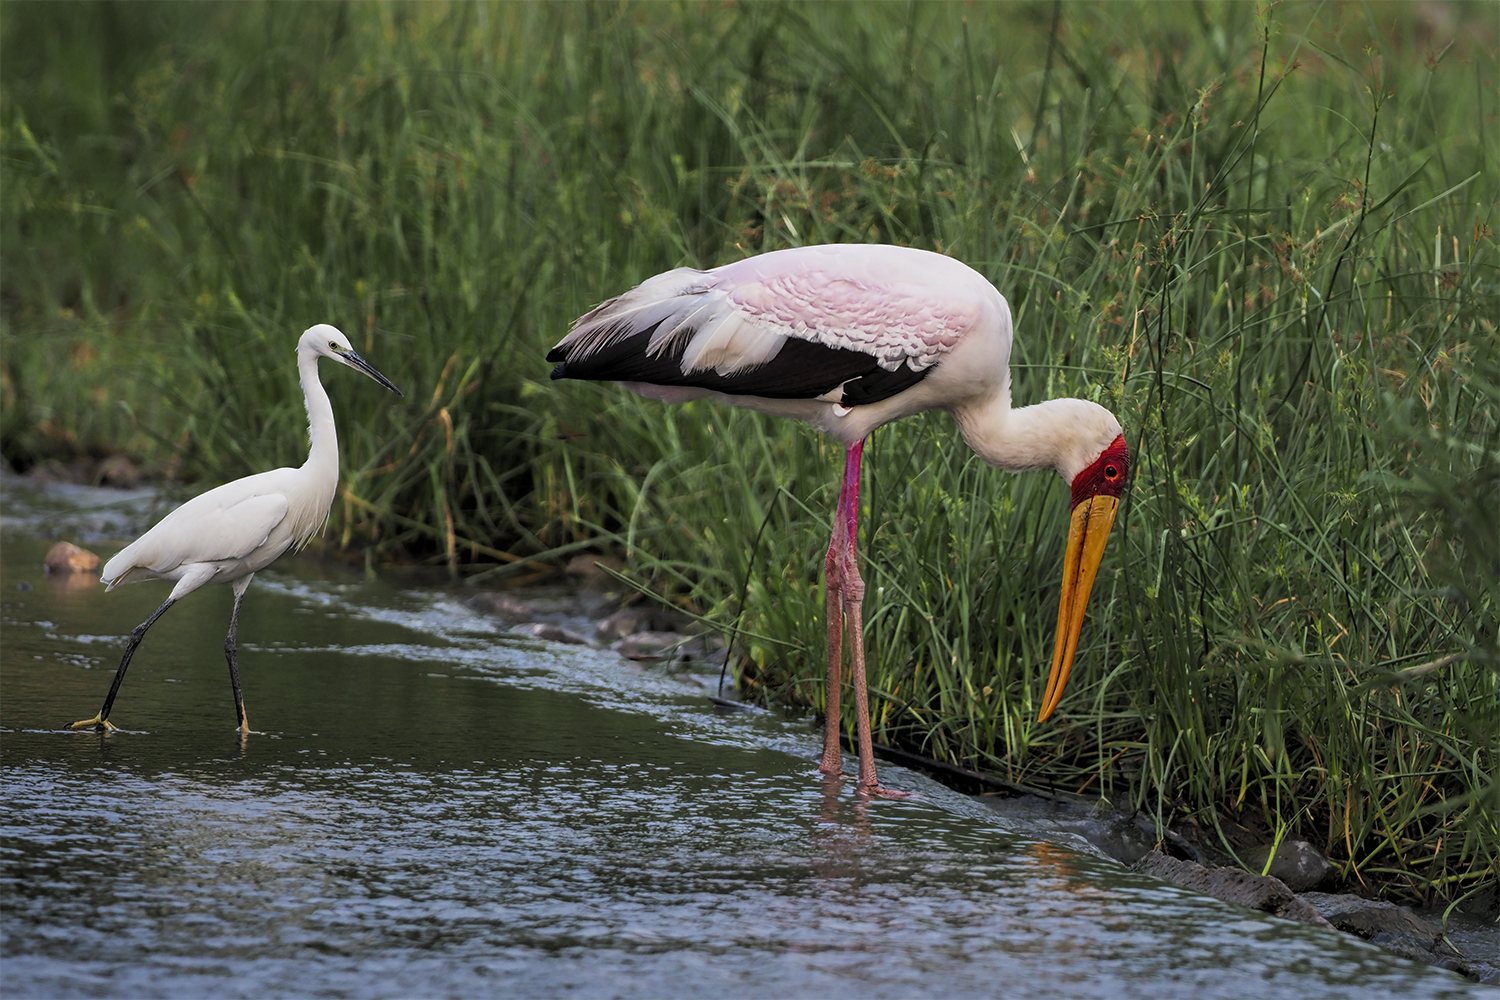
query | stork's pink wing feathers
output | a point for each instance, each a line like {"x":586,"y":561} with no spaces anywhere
{"x":894,"y":321}
{"x":899,"y":306}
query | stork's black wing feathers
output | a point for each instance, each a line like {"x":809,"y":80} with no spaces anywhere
{"x":878,"y":384}
{"x":802,"y":369}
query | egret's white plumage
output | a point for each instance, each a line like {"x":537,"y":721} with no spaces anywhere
{"x":849,"y":337}
{"x":232,"y":532}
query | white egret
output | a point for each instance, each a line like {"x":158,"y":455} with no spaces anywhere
{"x":232,"y":532}
{"x":849,"y":337}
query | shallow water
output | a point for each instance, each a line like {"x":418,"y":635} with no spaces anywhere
{"x":431,"y":806}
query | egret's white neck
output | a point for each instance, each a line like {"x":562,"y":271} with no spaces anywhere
{"x":1062,"y":434}
{"x":323,"y":456}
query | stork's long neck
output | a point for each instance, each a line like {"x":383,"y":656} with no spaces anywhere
{"x":323,"y":456}
{"x":1062,"y":434}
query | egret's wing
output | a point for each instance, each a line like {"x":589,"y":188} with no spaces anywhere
{"x":224,"y":524}
{"x":869,"y":321}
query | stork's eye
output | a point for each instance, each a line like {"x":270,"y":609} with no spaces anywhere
{"x":1110,"y":472}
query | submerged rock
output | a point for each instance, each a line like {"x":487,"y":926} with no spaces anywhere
{"x":652,"y":646}
{"x":1258,"y":892}
{"x":1395,"y":928}
{"x":628,"y":621}
{"x":553,"y":633}
{"x":534,"y":605}
{"x":1125,"y":837}
{"x":65,"y":557}
{"x":1297,"y":863}
{"x":504,"y":606}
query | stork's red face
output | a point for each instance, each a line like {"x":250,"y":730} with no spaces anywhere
{"x":1096,"y":498}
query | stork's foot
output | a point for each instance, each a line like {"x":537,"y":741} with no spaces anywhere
{"x":103,"y":725}
{"x":879,"y":791}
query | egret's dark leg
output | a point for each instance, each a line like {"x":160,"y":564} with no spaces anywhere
{"x":101,"y":721}
{"x":230,"y":647}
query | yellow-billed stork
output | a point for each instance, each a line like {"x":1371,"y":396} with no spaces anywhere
{"x":849,"y":337}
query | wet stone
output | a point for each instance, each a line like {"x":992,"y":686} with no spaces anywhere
{"x":1258,"y":892}
{"x":1395,"y":928}
{"x":628,"y":621}
{"x":1124,"y":837}
{"x":552,"y":633}
{"x":1297,"y":863}
{"x":1477,"y":938}
{"x":653,"y":646}
{"x":65,"y":557}
{"x":504,"y":606}
{"x":536,"y":605}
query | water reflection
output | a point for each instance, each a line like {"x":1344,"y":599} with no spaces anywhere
{"x":433,"y":808}
{"x":841,"y":835}
{"x":63,"y":583}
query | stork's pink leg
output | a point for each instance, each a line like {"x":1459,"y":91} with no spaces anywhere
{"x":834,"y":568}
{"x":846,"y":594}
{"x":854,"y":592}
{"x":853,"y":587}
{"x":832,"y":764}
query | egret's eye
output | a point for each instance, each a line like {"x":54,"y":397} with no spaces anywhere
{"x":332,"y":346}
{"x":1110,"y":472}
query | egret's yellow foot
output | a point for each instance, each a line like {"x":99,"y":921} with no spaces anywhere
{"x":103,"y":725}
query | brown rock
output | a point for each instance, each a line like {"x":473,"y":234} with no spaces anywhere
{"x":65,"y":557}
{"x":1258,"y":892}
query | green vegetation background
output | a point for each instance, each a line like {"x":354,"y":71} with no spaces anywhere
{"x":1264,"y":237}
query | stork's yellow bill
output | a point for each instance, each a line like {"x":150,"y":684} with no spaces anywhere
{"x":1096,"y":499}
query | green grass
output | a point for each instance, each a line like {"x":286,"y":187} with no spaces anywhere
{"x":1264,"y":238}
